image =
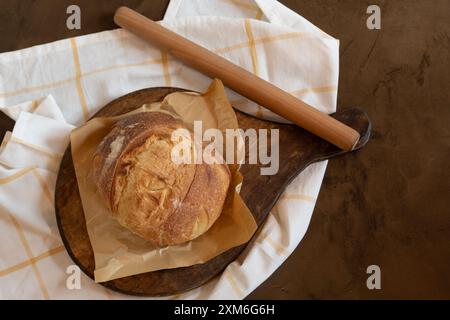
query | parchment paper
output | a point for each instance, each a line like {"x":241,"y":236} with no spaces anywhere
{"x":120,"y":253}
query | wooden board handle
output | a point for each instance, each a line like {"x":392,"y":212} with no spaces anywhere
{"x":240,"y":80}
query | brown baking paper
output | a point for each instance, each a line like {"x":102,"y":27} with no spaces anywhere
{"x":120,"y":253}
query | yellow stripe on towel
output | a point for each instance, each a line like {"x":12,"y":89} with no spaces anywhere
{"x":29,"y":253}
{"x":49,"y":153}
{"x":44,"y":186}
{"x":252,"y":46}
{"x":28,"y":262}
{"x":15,"y":176}
{"x":233,"y":283}
{"x":298,"y":197}
{"x":81,"y":96}
{"x":165,"y":66}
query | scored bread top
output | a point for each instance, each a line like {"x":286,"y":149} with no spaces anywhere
{"x":126,"y":135}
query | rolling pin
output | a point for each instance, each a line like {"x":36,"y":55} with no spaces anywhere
{"x":239,"y":79}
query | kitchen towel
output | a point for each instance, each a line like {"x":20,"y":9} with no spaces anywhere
{"x":49,"y":89}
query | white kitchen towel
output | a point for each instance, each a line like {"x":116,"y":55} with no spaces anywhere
{"x":53,"y":87}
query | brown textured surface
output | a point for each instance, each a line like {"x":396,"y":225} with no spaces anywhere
{"x":385,"y":205}
{"x":297,"y":149}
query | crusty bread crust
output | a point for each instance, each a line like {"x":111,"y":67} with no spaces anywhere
{"x":126,"y":135}
{"x":161,"y":201}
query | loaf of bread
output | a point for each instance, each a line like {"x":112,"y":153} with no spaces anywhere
{"x":148,"y":193}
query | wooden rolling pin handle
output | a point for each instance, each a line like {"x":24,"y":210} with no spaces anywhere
{"x":240,"y":80}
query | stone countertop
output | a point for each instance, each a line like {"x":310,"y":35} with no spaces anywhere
{"x":387,"y":204}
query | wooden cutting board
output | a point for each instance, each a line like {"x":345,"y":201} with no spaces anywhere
{"x":298,"y":149}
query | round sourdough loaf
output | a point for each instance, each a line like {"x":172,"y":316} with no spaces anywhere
{"x":148,"y":193}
